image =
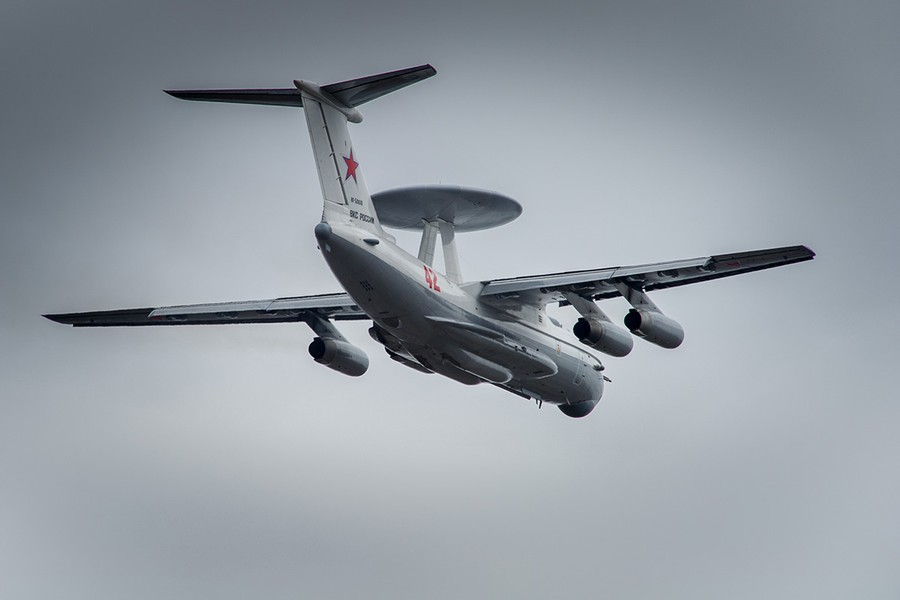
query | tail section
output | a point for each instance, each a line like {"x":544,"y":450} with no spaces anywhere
{"x":350,"y":93}
{"x":340,"y":172}
{"x":328,"y":110}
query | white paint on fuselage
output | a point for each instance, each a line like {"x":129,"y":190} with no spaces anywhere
{"x":391,"y":286}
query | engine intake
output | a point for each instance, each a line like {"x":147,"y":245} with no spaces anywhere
{"x":603,"y":336}
{"x":655,"y":327}
{"x":339,"y":355}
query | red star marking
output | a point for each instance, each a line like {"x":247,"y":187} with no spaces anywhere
{"x":352,"y":165}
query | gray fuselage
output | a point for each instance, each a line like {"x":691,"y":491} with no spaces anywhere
{"x":445,"y":328}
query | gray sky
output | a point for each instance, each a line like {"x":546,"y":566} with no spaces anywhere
{"x":757,"y":461}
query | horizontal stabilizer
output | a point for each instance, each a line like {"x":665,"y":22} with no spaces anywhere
{"x":359,"y":91}
{"x":272,"y":97}
{"x":350,"y":93}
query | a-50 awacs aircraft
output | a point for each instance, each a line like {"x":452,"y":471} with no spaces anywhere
{"x":473,"y":332}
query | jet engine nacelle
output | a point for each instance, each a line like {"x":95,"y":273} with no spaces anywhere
{"x":655,"y":327}
{"x":339,"y":355}
{"x":604,"y":336}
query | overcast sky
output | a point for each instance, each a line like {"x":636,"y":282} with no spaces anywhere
{"x":759,"y":460}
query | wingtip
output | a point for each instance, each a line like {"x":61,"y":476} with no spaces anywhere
{"x":425,"y":71}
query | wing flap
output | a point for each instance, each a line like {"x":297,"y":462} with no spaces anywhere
{"x":281,"y":310}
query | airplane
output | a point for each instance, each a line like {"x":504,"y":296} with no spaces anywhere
{"x":496,"y":331}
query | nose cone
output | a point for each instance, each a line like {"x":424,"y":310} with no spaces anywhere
{"x":576,"y":411}
{"x":323,"y":232}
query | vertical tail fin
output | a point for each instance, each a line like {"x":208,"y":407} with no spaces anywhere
{"x":329,"y":108}
{"x":340,"y":174}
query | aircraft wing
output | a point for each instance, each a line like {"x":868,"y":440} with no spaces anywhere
{"x":339,"y":307}
{"x":599,"y":283}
